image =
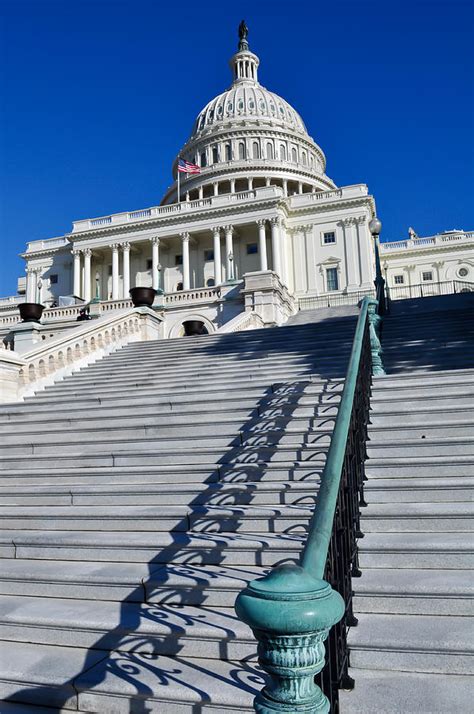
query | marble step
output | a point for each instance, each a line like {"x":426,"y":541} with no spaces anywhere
{"x":411,"y":591}
{"x":387,"y":417}
{"x":421,"y":490}
{"x":135,"y":453}
{"x":417,"y":517}
{"x":172,"y":583}
{"x":420,"y":467}
{"x":426,"y":550}
{"x":422,"y":447}
{"x":169,"y":424}
{"x":71,"y":678}
{"x":260,"y":549}
{"x":151,"y":473}
{"x":382,"y":401}
{"x":139,"y":627}
{"x":255,"y":493}
{"x":215,"y":519}
{"x":413,"y":643}
{"x":147,"y":406}
{"x":427,"y":431}
{"x":440,"y":377}
{"x":393,"y":692}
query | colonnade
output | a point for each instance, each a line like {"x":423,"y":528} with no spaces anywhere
{"x":121,"y":254}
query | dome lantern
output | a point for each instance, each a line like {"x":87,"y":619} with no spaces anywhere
{"x":244,"y":63}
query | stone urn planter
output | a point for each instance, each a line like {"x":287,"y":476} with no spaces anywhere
{"x":142,"y":296}
{"x":194,"y":327}
{"x":30,"y":311}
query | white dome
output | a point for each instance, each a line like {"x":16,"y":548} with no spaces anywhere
{"x":246,"y":101}
{"x":252,"y":133}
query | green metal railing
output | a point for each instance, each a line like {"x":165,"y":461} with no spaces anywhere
{"x":292,"y":609}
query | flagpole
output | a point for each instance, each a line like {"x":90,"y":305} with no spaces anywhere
{"x":179,"y":190}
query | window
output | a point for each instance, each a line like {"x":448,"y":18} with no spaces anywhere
{"x":53,"y":279}
{"x":215,"y":155}
{"x":294,"y":155}
{"x":255,"y":150}
{"x":303,"y":158}
{"x":427,"y":275}
{"x":178,"y":259}
{"x":228,"y":152}
{"x":332,"y":279}
{"x":399,"y":279}
{"x":110,"y":270}
{"x":210,"y":282}
{"x":208,"y":255}
{"x":463,"y":272}
{"x":252,"y":248}
{"x":149,"y":264}
{"x":282,"y":152}
{"x":179,"y":287}
{"x":329,"y":238}
{"x":203,"y":159}
{"x":241,"y":150}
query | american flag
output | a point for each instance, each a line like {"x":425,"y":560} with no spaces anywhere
{"x":185,"y":167}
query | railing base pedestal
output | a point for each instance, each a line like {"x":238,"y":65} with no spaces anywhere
{"x":290,"y":613}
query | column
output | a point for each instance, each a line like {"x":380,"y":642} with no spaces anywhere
{"x":283,"y":253}
{"x":155,"y":261}
{"x":30,"y":285}
{"x":267,"y":181}
{"x":115,"y":271}
{"x":275,"y":223}
{"x":201,"y":193}
{"x":217,"y":256}
{"x":300,"y":187}
{"x":229,"y":252}
{"x":186,"y":278}
{"x":216,"y":189}
{"x":262,"y":245}
{"x":350,"y":250}
{"x":232,"y":185}
{"x":126,"y":270}
{"x":364,"y":240}
{"x":87,"y":274}
{"x":77,"y":273}
{"x":250,"y":184}
{"x":285,"y":187}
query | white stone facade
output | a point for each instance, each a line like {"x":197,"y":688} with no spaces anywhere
{"x":429,"y":265}
{"x":261,"y":202}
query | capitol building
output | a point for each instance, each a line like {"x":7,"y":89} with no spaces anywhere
{"x":238,"y":417}
{"x":257,"y":220}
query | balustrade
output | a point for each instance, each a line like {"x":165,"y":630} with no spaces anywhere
{"x":293,"y":609}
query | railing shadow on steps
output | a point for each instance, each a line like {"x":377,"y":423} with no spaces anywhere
{"x":130,"y":655}
{"x":294,"y":608}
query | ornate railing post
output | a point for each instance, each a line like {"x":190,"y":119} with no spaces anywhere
{"x":290,"y":613}
{"x":374,"y":331}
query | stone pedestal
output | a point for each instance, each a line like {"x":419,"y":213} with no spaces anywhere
{"x":10,"y":365}
{"x":265,"y":294}
{"x":26,"y":335}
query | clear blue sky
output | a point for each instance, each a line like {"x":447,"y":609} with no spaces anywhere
{"x":98,"y":96}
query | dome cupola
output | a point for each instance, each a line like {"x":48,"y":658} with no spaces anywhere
{"x":248,"y":137}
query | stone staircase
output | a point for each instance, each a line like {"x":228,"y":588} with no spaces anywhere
{"x":139,"y":496}
{"x":412,"y":650}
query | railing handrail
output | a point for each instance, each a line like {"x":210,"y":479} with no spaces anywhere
{"x":315,"y":552}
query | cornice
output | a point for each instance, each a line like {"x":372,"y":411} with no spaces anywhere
{"x":177,"y":220}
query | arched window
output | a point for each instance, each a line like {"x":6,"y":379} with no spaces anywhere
{"x":215,"y":155}
{"x":282,"y":152}
{"x":228,"y":152}
{"x":179,"y":287}
{"x":294,"y":155}
{"x":210,"y":282}
{"x":256,"y":150}
{"x":269,"y":150}
{"x":203,"y":159}
{"x":303,"y":158}
{"x":241,"y":150}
